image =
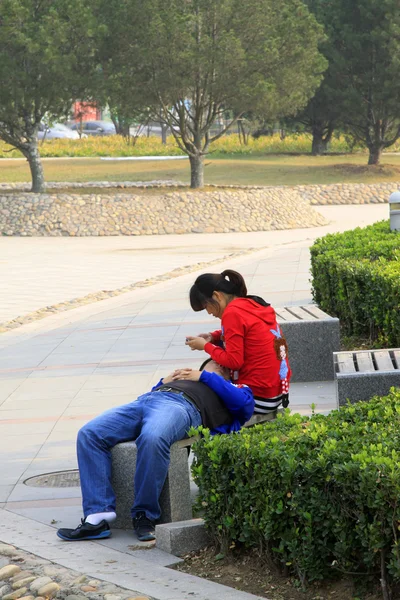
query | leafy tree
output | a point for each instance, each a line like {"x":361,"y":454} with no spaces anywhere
{"x":366,"y":39}
{"x":320,"y":118}
{"x":321,"y":115}
{"x":45,"y":64}
{"x":127,"y":102}
{"x":199,"y":58}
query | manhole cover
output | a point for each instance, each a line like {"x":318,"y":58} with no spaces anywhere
{"x":61,"y":479}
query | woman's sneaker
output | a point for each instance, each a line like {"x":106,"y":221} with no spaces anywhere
{"x":85,"y":531}
{"x":143,"y":527}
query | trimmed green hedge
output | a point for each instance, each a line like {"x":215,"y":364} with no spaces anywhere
{"x":356,"y":277}
{"x":320,"y":496}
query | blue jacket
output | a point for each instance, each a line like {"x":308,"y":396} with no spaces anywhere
{"x":237,"y":399}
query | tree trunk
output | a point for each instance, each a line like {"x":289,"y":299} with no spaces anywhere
{"x":239,"y":133}
{"x":319,"y":144}
{"x":80,"y":129}
{"x":31,"y":152}
{"x":386,"y":591}
{"x":374,"y":155}
{"x":163,"y":133}
{"x":196,"y":171}
{"x":116,"y":124}
{"x":122,"y":127}
{"x":245,"y":134}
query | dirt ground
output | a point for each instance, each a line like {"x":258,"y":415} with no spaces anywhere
{"x":356,"y":342}
{"x":247,"y":572}
{"x":382,"y":170}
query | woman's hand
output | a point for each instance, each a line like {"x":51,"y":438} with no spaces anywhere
{"x":190,"y":374}
{"x":172,"y":377}
{"x":195,"y":343}
{"x":206,"y":336}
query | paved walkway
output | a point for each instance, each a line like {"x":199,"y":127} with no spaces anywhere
{"x":39,"y":272}
{"x":58,"y":373}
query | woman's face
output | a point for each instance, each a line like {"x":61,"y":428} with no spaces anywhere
{"x":217,"y":307}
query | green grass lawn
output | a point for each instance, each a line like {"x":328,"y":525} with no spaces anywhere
{"x":268,"y":170}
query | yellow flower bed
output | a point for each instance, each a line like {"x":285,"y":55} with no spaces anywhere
{"x":113,"y":145}
{"x":296,"y":143}
{"x":116,"y":145}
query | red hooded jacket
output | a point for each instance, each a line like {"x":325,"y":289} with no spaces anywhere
{"x":249,"y":333}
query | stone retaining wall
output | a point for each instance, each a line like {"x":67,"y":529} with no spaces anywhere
{"x":348,"y":193}
{"x":219,"y":211}
{"x":232,"y":208}
{"x":330,"y":193}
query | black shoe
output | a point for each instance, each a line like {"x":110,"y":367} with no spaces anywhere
{"x":85,"y":531}
{"x":143,"y":527}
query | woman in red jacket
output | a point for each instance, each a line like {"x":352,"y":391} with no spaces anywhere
{"x":249,"y":343}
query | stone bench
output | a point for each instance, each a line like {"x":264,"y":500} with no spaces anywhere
{"x":175,"y":500}
{"x":312,"y":337}
{"x":362,"y":374}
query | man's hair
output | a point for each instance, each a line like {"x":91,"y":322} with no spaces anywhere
{"x":203,"y":365}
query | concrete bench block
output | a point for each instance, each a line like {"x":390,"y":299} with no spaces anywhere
{"x":312,"y":337}
{"x":175,"y":499}
{"x":182,"y":537}
{"x":364,"y":374}
{"x":259,"y":418}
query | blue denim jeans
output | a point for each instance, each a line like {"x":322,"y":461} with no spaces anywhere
{"x":155,"y":420}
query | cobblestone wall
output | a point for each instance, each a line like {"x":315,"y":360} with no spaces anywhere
{"x":348,"y":193}
{"x":218,"y":211}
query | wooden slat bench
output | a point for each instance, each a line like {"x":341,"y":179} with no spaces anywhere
{"x":312,"y":337}
{"x":362,"y":374}
{"x":175,"y":500}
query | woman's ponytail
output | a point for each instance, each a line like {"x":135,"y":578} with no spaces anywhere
{"x":238,"y":285}
{"x":229,"y":282}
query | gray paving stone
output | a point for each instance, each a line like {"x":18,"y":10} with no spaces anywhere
{"x":156,"y":556}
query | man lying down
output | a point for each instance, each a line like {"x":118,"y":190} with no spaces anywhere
{"x":186,"y":398}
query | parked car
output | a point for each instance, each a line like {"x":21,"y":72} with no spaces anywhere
{"x":93,"y":127}
{"x":56,"y":131}
{"x":151,"y":129}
